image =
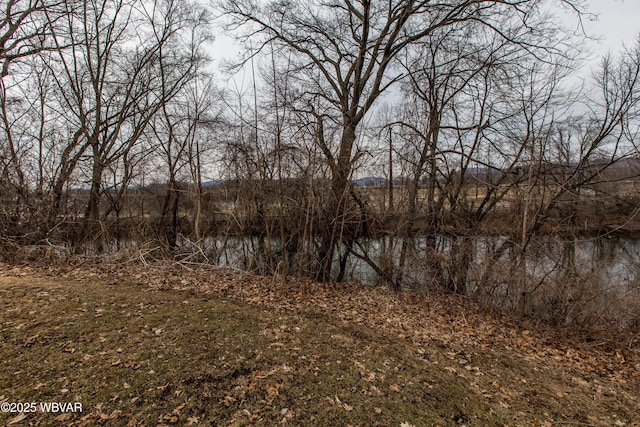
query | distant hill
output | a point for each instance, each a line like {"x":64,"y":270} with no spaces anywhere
{"x":371,"y":181}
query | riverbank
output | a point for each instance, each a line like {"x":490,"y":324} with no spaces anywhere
{"x":169,"y":345}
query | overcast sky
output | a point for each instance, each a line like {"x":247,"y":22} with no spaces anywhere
{"x":617,"y":22}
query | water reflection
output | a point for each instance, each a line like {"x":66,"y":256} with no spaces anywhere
{"x":614,"y":261}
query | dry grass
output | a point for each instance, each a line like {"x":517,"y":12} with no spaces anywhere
{"x":164,"y":346}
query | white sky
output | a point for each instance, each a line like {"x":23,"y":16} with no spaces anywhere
{"x":617,"y":22}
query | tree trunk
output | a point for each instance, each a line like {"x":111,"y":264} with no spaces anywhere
{"x":334,"y":214}
{"x":92,"y":212}
{"x":168,"y":224}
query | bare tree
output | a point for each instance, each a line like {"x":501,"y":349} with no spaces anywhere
{"x":181,"y":130}
{"x":204,"y":118}
{"x":601,"y":137}
{"x":126,"y":60}
{"x":25,"y":28}
{"x":343,"y":55}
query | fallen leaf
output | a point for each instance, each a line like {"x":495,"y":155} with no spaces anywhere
{"x":63,"y":417}
{"x":274,"y":391}
{"x":17,"y":419}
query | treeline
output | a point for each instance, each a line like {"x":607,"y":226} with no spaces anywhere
{"x":117,"y":135}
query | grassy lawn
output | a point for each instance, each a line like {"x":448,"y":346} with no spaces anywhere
{"x":134,"y":354}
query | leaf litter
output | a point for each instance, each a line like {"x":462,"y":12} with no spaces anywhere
{"x":256,"y":351}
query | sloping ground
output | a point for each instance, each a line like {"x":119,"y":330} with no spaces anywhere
{"x":175,"y":346}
